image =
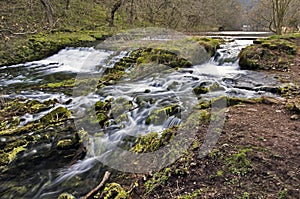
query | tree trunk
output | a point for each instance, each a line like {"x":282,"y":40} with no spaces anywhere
{"x":68,"y":4}
{"x":279,"y":11}
{"x":49,"y":11}
{"x":114,"y":9}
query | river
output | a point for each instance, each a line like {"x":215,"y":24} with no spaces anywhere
{"x":158,"y":88}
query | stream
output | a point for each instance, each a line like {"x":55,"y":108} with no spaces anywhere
{"x":157,"y":88}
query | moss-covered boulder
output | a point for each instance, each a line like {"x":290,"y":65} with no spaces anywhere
{"x":273,"y":53}
{"x":204,"y":88}
{"x":153,"y":141}
{"x":159,"y":116}
{"x":211,"y":45}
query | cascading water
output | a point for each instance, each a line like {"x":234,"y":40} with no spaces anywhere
{"x":158,"y":89}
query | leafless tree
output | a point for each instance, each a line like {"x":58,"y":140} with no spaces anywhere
{"x":49,"y":11}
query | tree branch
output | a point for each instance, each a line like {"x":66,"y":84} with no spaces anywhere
{"x":102,"y":183}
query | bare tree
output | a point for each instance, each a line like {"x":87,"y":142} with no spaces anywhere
{"x":273,"y":14}
{"x":49,"y":11}
{"x":112,"y":7}
{"x":279,"y":11}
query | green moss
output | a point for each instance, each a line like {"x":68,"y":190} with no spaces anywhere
{"x":65,"y":144}
{"x":283,"y":194}
{"x":113,"y":190}
{"x":201,"y":90}
{"x":56,"y":115}
{"x":158,"y":179}
{"x":159,"y":116}
{"x":238,"y":163}
{"x":8,"y":156}
{"x":153,"y":141}
{"x":62,"y":84}
{"x":66,"y":196}
{"x":204,"y":116}
{"x":220,"y":173}
{"x":203,"y":105}
{"x":195,"y":194}
{"x":210,"y":45}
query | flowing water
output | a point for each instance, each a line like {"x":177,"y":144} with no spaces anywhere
{"x":158,"y":88}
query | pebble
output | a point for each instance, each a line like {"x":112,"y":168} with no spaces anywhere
{"x":294,"y":117}
{"x":252,"y":109}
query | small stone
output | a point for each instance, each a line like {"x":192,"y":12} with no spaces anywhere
{"x":252,"y":110}
{"x":295,"y":117}
{"x":193,"y":164}
{"x":278,"y":111}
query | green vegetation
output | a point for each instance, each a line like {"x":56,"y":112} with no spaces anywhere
{"x":112,"y":190}
{"x":153,"y":141}
{"x":238,"y":163}
{"x":66,"y":196}
{"x":193,"y":195}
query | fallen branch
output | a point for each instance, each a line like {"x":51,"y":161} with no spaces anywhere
{"x":17,"y":33}
{"x":102,"y":183}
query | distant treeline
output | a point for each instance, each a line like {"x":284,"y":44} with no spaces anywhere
{"x":27,"y":16}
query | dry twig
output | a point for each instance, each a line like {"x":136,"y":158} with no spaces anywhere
{"x":102,"y":183}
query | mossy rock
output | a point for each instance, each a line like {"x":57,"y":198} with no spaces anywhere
{"x":200,"y":90}
{"x":102,"y":109}
{"x":56,"y":115}
{"x":276,"y":53}
{"x":153,"y":141}
{"x":204,"y":88}
{"x":210,"y":45}
{"x":159,"y":116}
